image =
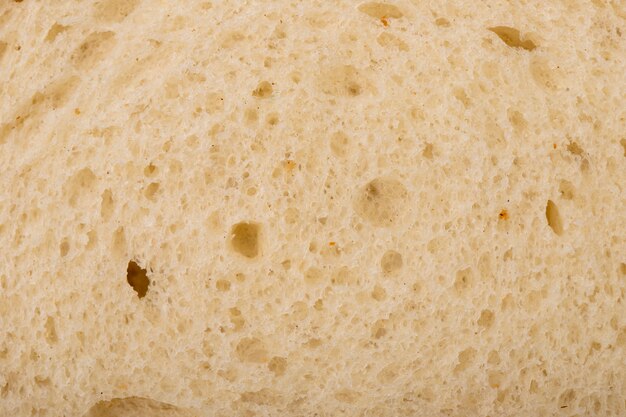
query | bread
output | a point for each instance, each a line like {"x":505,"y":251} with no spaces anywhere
{"x":323,"y":208}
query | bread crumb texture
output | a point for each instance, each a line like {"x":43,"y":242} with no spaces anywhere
{"x":325,"y":208}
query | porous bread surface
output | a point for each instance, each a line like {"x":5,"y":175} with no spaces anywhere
{"x":408,"y":208}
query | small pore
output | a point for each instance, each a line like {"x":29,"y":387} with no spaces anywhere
{"x":137,"y":278}
{"x":512,"y":38}
{"x":244,"y":239}
{"x":554,"y":218}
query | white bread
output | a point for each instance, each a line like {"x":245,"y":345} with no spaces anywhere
{"x":328,"y":208}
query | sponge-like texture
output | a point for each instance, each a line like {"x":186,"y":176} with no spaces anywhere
{"x":320,"y":208}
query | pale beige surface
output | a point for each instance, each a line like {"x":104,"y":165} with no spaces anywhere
{"x":411,"y":209}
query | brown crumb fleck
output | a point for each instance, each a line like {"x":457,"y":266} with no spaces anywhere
{"x":504,"y":214}
{"x":77,"y":111}
{"x":554,"y":145}
{"x":384,"y":21}
{"x":332,"y":243}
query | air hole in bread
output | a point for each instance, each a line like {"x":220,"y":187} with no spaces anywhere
{"x":387,"y":40}
{"x":379,"y":293}
{"x":380,"y":10}
{"x":64,"y":248}
{"x":517,"y":119}
{"x":137,"y":278}
{"x":566,"y":189}
{"x":554,"y":218}
{"x":442,"y":21}
{"x":493,"y":358}
{"x":427,"y":152}
{"x":575,"y":149}
{"x":251,"y":115}
{"x":342,"y":81}
{"x":150,"y":170}
{"x":391,"y":261}
{"x":251,"y":349}
{"x":567,"y":398}
{"x":80,"y":185}
{"x":277,"y":365}
{"x":107,"y":204}
{"x":93,"y":49}
{"x":263,"y":90}
{"x":222,"y":285}
{"x":382,"y":201}
{"x":486,"y":319}
{"x":379,"y":328}
{"x":135,"y":406}
{"x":512,"y":38}
{"x":92,"y":239}
{"x":114,"y":11}
{"x":461,"y":95}
{"x":151,"y":190}
{"x":463,"y":281}
{"x":54,"y":31}
{"x":50,"y":331}
{"x":3,"y":48}
{"x":313,"y":276}
{"x":272,"y":119}
{"x":339,"y":144}
{"x":236,"y":319}
{"x":244,"y":238}
{"x":543,"y":74}
{"x":465,"y":359}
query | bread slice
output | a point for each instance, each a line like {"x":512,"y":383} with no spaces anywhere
{"x":325,"y":208}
